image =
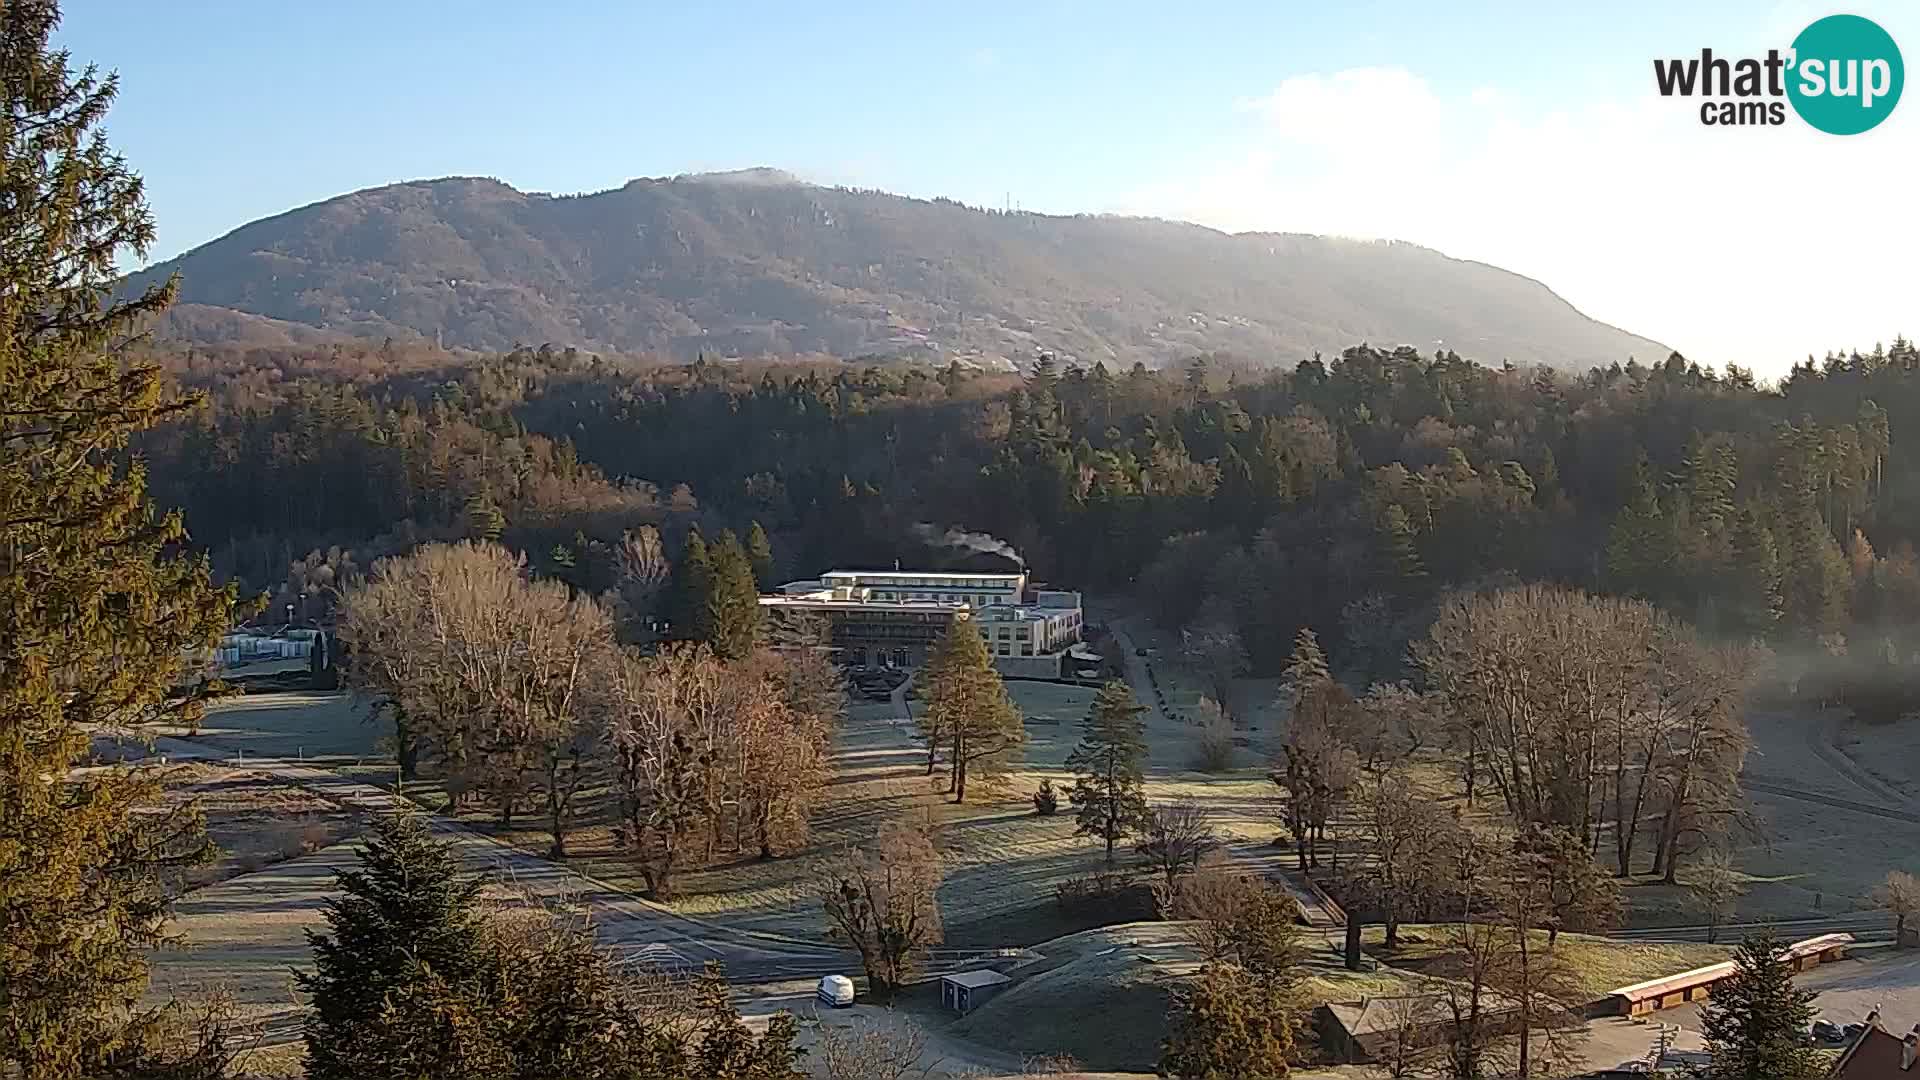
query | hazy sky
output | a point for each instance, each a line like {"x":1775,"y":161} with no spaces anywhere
{"x":1527,"y":135}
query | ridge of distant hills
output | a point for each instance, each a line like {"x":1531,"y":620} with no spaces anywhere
{"x":757,"y":262}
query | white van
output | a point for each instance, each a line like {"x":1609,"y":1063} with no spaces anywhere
{"x":836,"y":991}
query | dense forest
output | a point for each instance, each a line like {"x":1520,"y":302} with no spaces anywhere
{"x":1345,"y":495}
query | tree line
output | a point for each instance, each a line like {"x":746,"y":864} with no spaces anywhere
{"x":1347,"y":494}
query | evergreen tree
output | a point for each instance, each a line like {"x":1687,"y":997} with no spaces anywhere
{"x":1815,"y":581}
{"x":728,"y":1050}
{"x":406,"y":929}
{"x":1229,"y":1025}
{"x":968,"y":706}
{"x":1307,"y":667}
{"x":415,"y":980}
{"x":760,"y":554}
{"x":484,"y":519}
{"x":1754,"y":602}
{"x":1755,"y":1024}
{"x":1108,"y":768}
{"x":1400,"y":559}
{"x":98,"y":603}
{"x":1639,"y":551}
{"x":693,"y":591}
{"x":733,"y":603}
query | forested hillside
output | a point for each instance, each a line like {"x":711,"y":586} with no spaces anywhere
{"x":1344,"y":495}
{"x":759,"y":264}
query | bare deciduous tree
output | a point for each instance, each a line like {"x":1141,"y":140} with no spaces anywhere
{"x":493,"y":669}
{"x":880,"y":898}
{"x":1899,"y":895}
{"x":1401,"y":868}
{"x":873,"y":1049}
{"x":1408,"y":1050}
{"x":1316,"y":769}
{"x":1592,"y":714}
{"x":1215,"y":649}
{"x":642,"y":574}
{"x":1716,"y":885}
{"x":1175,"y":837}
{"x":661,"y":704}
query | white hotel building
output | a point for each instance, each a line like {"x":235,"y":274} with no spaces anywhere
{"x":892,"y":617}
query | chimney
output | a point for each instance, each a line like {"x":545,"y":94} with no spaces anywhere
{"x":1910,"y":1049}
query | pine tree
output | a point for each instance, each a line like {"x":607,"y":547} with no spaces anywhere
{"x":97,"y":603}
{"x":733,"y":604}
{"x":1307,"y":667}
{"x":1815,"y":581}
{"x":1754,"y":603}
{"x":1229,"y":1025}
{"x":1400,"y":558}
{"x":1755,"y":1024}
{"x":692,"y":590}
{"x":408,"y":927}
{"x":1639,"y":545}
{"x":968,"y":706}
{"x":760,"y":554}
{"x":1108,"y":767}
{"x":484,"y":519}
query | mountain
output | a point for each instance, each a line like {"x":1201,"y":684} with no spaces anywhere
{"x":758,"y":262}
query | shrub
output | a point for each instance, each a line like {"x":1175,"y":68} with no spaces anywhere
{"x":1213,"y":751}
{"x":314,"y":835}
{"x":1090,"y":890}
{"x":1046,"y":801}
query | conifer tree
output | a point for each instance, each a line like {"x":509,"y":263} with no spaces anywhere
{"x":1815,"y":582}
{"x":1108,"y":767}
{"x":1400,"y":558}
{"x":406,"y":927}
{"x":98,"y":605}
{"x":484,"y":519}
{"x":733,"y":603}
{"x":692,"y":590}
{"x":1755,"y":1024}
{"x":968,"y":706}
{"x":1229,"y":1024}
{"x":1639,"y":548}
{"x":760,"y":554}
{"x":1755,"y":603}
{"x":1307,"y":667}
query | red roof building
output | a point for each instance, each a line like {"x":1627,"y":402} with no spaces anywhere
{"x":1878,"y":1054}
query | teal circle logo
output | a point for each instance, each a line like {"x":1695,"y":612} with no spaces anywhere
{"x":1846,"y":74}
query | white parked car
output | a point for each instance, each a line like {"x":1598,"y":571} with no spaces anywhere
{"x":836,"y":991}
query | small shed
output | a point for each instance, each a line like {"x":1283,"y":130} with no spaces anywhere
{"x":963,"y":991}
{"x":1663,"y":993}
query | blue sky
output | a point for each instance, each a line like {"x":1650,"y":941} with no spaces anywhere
{"x":1417,"y":121}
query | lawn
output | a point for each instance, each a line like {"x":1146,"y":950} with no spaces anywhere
{"x":256,"y":820}
{"x":1601,"y":964}
{"x":328,"y":727}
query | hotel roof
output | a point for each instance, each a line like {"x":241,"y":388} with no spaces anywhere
{"x":925,"y":574}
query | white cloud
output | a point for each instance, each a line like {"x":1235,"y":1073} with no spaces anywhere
{"x":1753,"y":245}
{"x":1351,"y":110}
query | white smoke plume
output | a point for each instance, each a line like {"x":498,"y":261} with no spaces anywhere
{"x":962,"y":540}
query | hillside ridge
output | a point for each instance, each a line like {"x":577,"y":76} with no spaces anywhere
{"x":757,"y":262}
